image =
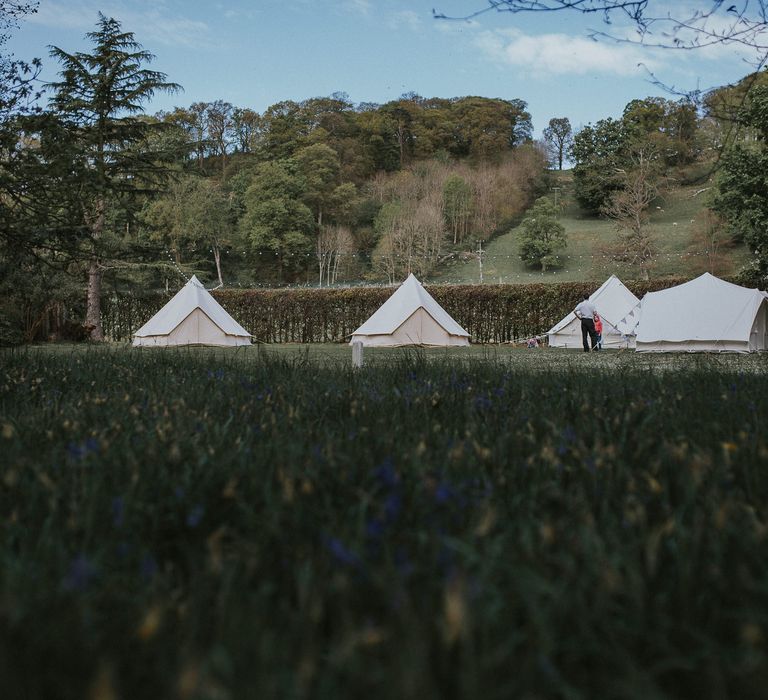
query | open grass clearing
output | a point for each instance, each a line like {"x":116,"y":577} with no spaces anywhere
{"x":485,"y":522}
{"x":505,"y":355}
{"x":673,"y":220}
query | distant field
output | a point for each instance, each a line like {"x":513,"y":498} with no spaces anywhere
{"x":672,"y":224}
{"x":481,"y":523}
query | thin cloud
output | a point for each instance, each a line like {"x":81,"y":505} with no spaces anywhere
{"x":407,"y":19}
{"x":155,"y":23}
{"x":562,"y":54}
{"x":449,"y":26}
{"x":362,"y":7}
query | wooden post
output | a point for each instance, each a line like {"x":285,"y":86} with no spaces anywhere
{"x":357,"y":354}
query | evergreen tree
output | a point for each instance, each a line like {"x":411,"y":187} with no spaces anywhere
{"x":541,"y":234}
{"x":98,"y":97}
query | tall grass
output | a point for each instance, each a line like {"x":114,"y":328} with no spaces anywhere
{"x":240,"y":526}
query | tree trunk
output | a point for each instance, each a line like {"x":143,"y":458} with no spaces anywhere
{"x":93,"y":300}
{"x":217,"y":258}
{"x":96,"y":221}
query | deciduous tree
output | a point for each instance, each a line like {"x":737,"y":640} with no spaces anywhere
{"x":276,"y":221}
{"x":457,"y":206}
{"x":742,"y":187}
{"x":558,"y":136}
{"x":195,"y":215}
{"x":628,"y":208}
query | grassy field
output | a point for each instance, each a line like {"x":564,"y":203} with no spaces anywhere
{"x":675,"y":217}
{"x":485,"y":522}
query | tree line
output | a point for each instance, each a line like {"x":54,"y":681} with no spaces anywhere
{"x":92,"y":187}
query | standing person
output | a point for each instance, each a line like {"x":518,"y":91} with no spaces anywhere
{"x":585,"y":311}
{"x":599,"y":330}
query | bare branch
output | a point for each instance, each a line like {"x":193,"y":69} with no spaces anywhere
{"x":743,"y":23}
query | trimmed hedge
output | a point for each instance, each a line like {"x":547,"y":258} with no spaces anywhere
{"x":490,"y":313}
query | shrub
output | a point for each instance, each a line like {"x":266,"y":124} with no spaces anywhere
{"x":490,"y":313}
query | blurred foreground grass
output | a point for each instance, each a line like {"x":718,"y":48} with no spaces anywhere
{"x":482,"y":523}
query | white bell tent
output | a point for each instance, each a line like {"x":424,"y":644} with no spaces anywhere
{"x":411,"y":316}
{"x":192,"y":317}
{"x":613,"y":302}
{"x":706,"y":314}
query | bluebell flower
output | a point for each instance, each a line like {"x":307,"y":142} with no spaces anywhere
{"x":80,"y":573}
{"x":482,"y":402}
{"x":386,"y":473}
{"x":78,"y":451}
{"x":75,"y":451}
{"x":340,"y":553}
{"x":392,"y":507}
{"x":147,"y":567}
{"x":374,"y":528}
{"x":195,"y":516}
{"x":118,"y":511}
{"x":443,"y":492}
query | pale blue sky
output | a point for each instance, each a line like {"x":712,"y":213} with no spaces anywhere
{"x":254,"y":53}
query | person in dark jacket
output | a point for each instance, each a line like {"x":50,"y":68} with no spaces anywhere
{"x":585,"y":311}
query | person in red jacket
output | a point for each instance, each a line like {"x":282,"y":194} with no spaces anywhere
{"x":599,"y":330}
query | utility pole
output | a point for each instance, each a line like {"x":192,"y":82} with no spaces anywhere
{"x":480,"y":260}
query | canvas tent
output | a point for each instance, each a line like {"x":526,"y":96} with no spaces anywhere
{"x":613,"y":302}
{"x":192,"y":317}
{"x":706,"y":314}
{"x":410,"y":317}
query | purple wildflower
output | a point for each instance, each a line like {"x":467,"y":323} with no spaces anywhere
{"x":80,"y":574}
{"x":147,"y":567}
{"x":386,"y":474}
{"x":78,"y":451}
{"x":392,"y":507}
{"x":443,"y":492}
{"x":118,"y":511}
{"x":195,"y":516}
{"x":374,"y":528}
{"x":340,"y":553}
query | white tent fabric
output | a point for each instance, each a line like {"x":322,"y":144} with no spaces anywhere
{"x":613,"y":302}
{"x":410,"y":316}
{"x":706,"y":314}
{"x":192,"y":317}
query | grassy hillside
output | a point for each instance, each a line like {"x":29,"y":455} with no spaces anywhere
{"x":677,"y":220}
